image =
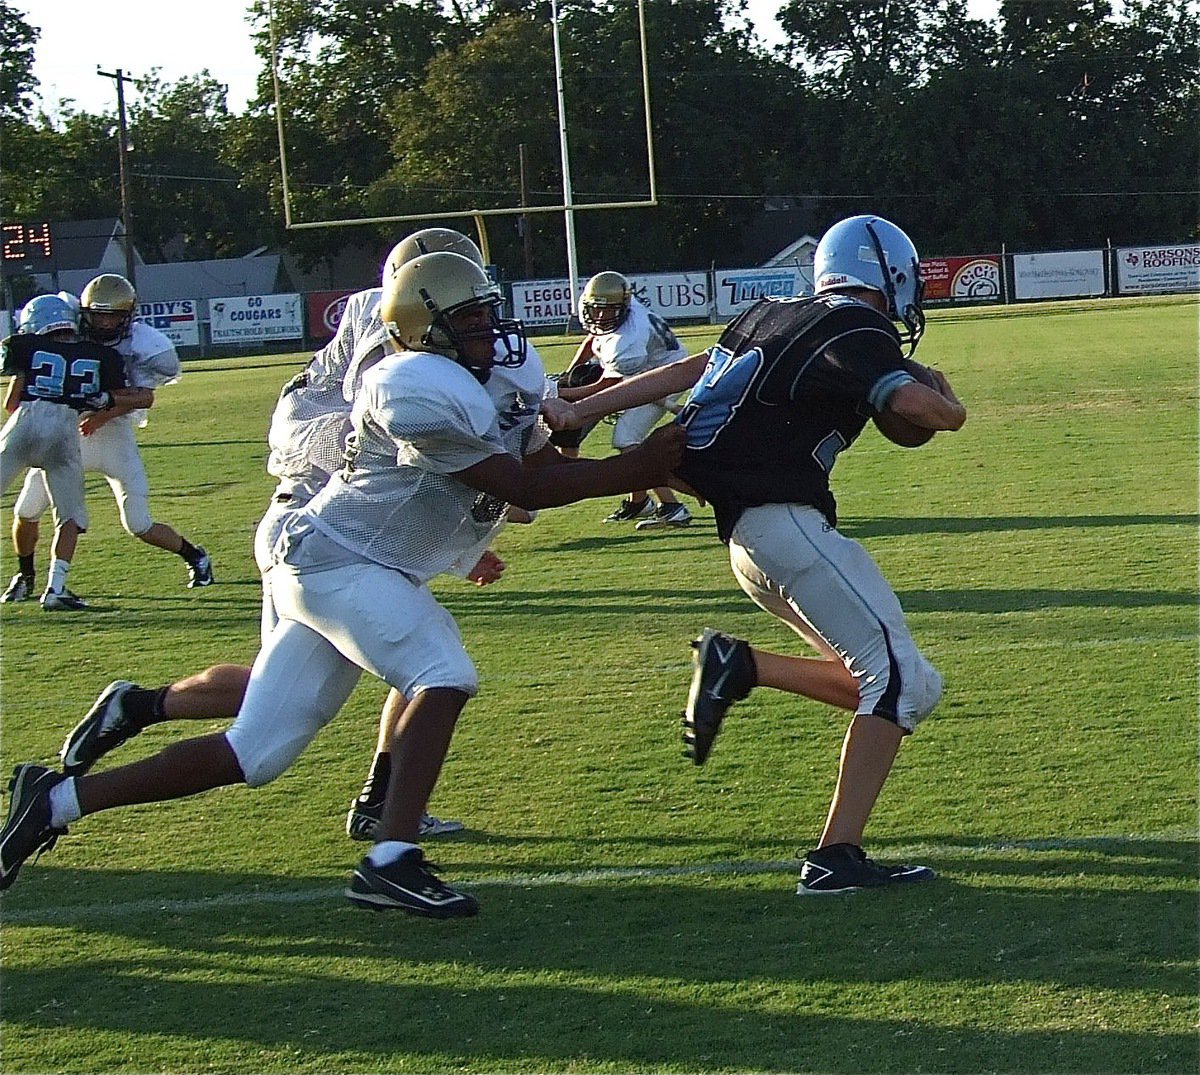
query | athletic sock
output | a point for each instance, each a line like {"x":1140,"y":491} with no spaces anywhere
{"x":375,"y":789}
{"x":25,"y":566}
{"x":144,"y":705}
{"x":387,"y":851}
{"x":58,"y":575}
{"x":189,"y":552}
{"x":64,"y":804}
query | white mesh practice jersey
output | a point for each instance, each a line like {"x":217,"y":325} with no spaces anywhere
{"x":417,"y":420}
{"x":151,"y":361}
{"x":310,"y":423}
{"x":359,"y":321}
{"x":643,"y":341}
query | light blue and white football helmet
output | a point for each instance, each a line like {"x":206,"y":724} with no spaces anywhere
{"x":868,"y":251}
{"x":47,"y":313}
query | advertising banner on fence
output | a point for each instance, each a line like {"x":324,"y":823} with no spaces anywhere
{"x":176,"y":319}
{"x":965,"y":279}
{"x":542,"y":302}
{"x":670,"y":295}
{"x":674,"y":295}
{"x":738,"y":289}
{"x":246,"y":318}
{"x":1063,"y":275}
{"x":324,"y":312}
{"x":1144,"y":269}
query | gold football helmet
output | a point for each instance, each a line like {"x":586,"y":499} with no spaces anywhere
{"x":107,"y":306}
{"x":605,"y":302}
{"x":422,"y":296}
{"x":430,"y":241}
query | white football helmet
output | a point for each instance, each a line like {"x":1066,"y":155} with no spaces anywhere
{"x":423,"y":294}
{"x":868,"y":251}
{"x":429,"y":241}
{"x":605,"y":302}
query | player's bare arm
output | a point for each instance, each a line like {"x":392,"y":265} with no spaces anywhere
{"x":12,"y":396}
{"x":928,"y":407}
{"x":534,"y":488}
{"x":632,"y":392}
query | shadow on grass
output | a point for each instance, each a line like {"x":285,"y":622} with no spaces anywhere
{"x":723,"y":594}
{"x":880,"y":527}
{"x":713,"y":972}
{"x":705,"y":526}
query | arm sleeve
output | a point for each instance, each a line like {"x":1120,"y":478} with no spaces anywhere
{"x":862,"y":357}
{"x":154,"y":371}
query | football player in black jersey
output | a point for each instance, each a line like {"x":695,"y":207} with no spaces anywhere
{"x":59,"y":383}
{"x":790,"y":385}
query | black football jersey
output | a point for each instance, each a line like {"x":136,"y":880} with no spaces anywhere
{"x":789,"y":385}
{"x":62,"y":372}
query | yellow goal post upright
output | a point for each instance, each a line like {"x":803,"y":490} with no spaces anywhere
{"x":568,"y":207}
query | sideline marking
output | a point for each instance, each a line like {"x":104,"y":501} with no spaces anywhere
{"x":51,"y":916}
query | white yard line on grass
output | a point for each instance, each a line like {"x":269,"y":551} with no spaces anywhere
{"x":58,"y":916}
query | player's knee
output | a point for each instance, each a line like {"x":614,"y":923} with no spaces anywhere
{"x":926,"y":693}
{"x":262,"y":762}
{"x":135,"y":518}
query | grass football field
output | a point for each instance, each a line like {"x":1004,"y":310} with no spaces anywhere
{"x":638,"y":913}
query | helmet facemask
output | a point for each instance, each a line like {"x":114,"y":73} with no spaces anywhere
{"x":444,"y":338}
{"x":904,"y":290}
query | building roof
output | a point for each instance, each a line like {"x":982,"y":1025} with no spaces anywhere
{"x":84,"y":244}
{"x":190,"y":279}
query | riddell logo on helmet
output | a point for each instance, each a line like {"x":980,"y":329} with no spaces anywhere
{"x":833,"y":279}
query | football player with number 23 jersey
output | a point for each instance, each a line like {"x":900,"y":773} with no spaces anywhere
{"x":56,"y":378}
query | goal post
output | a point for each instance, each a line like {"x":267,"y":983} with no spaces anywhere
{"x":567,"y":206}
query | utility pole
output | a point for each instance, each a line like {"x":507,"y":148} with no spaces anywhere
{"x":122,"y":150}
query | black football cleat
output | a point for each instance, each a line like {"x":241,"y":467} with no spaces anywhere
{"x":27,"y":830}
{"x":841,"y":868}
{"x":723,"y":674}
{"x":104,"y":727}
{"x":408,"y":884}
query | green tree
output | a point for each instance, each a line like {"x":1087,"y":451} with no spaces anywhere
{"x":17,"y":82}
{"x":188,"y":197}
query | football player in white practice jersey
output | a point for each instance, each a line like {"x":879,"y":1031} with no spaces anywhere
{"x":307,"y":441}
{"x":430,"y":463}
{"x":626,"y":339}
{"x":107,"y":315}
{"x":789,"y":386}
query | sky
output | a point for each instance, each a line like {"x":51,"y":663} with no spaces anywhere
{"x":77,"y":36}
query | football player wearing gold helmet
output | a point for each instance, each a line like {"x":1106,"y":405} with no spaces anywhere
{"x":432,"y":458}
{"x":624,"y":338}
